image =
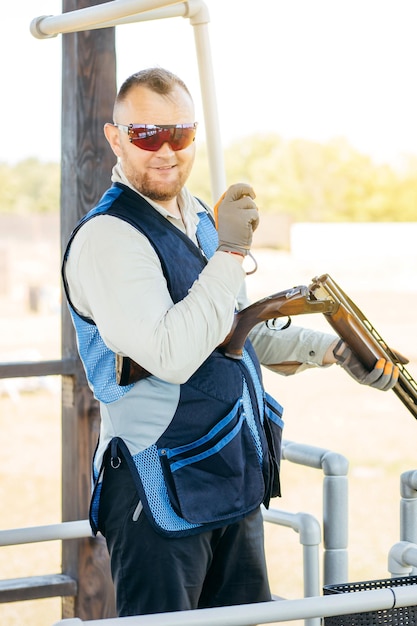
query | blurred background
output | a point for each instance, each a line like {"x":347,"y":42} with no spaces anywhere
{"x":317,"y":111}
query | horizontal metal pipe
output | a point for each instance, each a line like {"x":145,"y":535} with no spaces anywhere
{"x":178,"y":10}
{"x":332,"y":463}
{"x":306,"y":525}
{"x":51,"y":532}
{"x":98,"y":16}
{"x":401,"y":556}
{"x":266,"y":612}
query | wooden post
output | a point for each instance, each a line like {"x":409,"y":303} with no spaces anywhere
{"x":88,"y":92}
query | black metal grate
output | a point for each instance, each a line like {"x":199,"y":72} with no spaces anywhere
{"x":398,"y":616}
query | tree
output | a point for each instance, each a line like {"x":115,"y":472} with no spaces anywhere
{"x":316,"y":182}
{"x":29,"y":186}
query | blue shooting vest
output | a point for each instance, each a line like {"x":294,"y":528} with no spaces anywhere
{"x":219,"y":458}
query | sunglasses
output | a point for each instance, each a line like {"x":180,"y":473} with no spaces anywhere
{"x":153,"y":136}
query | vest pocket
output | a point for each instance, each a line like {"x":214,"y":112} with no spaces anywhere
{"x":218,"y":476}
{"x":273,"y":426}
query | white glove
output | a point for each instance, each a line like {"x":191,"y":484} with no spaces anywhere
{"x":384,"y":375}
{"x":236,"y":217}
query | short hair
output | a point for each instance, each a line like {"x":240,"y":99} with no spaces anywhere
{"x":156,"y":79}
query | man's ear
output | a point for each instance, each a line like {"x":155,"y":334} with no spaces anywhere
{"x":112,"y":135}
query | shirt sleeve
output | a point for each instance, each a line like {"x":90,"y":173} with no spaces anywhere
{"x":290,"y":350}
{"x":115,"y":278}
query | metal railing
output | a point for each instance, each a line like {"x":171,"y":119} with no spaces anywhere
{"x":309,"y":531}
{"x":50,"y":532}
{"x":335,"y":504}
{"x":306,"y":525}
{"x":402,"y":557}
{"x":267,"y":612}
{"x":408,"y":509}
{"x":334,"y":467}
{"x":127,"y":11}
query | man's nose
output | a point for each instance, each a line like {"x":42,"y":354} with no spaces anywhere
{"x":165,"y":149}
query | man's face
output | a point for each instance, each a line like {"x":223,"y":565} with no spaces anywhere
{"x":158,"y":175}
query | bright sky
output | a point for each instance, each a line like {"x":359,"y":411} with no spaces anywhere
{"x":315,"y":69}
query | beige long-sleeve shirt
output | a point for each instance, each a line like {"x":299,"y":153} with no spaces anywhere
{"x":115,"y":278}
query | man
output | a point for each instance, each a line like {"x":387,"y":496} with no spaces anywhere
{"x":187,"y":454}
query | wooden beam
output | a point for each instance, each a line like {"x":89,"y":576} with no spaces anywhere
{"x":36,"y":587}
{"x":88,"y":92}
{"x":37,"y":368}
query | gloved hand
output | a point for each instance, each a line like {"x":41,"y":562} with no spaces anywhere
{"x":384,"y":375}
{"x":236,"y":218}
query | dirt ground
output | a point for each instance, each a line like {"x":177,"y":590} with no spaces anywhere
{"x":323,"y":408}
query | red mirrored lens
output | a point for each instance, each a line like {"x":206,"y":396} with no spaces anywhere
{"x":148,"y":137}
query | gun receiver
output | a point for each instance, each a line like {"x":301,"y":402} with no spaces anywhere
{"x":363,"y":339}
{"x":294,"y":301}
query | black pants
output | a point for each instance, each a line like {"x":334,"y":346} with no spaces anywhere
{"x":154,"y":574}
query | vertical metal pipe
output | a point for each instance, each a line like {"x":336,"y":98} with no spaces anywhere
{"x":335,"y":529}
{"x":408,"y":509}
{"x":208,"y":93}
{"x":335,"y":504}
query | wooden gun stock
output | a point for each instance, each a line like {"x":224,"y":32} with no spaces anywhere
{"x":363,"y":339}
{"x":294,"y":301}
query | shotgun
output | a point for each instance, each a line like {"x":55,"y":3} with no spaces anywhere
{"x":294,"y":301}
{"x":324,"y":296}
{"x":362,"y":337}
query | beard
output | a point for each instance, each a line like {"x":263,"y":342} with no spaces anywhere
{"x":158,"y":192}
{"x":149,"y":185}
